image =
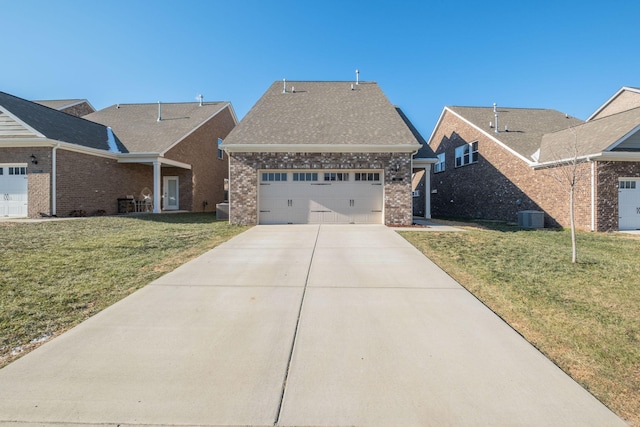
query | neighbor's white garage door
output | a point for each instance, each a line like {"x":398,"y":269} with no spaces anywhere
{"x":13,"y":191}
{"x":629,"y":204}
{"x":320,"y":197}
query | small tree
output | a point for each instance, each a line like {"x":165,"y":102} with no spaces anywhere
{"x":568,"y":173}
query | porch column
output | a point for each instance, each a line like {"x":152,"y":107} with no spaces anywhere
{"x":427,"y":191}
{"x":156,"y":186}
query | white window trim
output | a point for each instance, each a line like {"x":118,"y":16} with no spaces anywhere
{"x":460,"y":154}
{"x":440,"y":166}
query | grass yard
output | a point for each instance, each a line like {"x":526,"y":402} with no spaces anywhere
{"x":584,"y":317}
{"x":55,"y":274}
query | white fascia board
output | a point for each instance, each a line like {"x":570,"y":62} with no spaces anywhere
{"x":493,"y":138}
{"x":195,"y":128}
{"x":565,"y":161}
{"x":424,"y":161}
{"x":320,"y":148}
{"x":435,"y":128}
{"x":85,"y":150}
{"x":17,"y":119}
{"x":26,"y":142}
{"x":617,"y":156}
{"x":150,"y":158}
{"x":621,"y":140}
{"x":46,"y":142}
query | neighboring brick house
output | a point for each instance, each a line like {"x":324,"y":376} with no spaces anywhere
{"x":495,"y":162}
{"x":56,"y":164}
{"x":75,"y":107}
{"x":321,"y":152}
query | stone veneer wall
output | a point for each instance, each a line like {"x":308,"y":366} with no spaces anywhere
{"x":243,"y":185}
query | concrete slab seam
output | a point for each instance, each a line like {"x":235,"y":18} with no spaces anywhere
{"x":295,"y":331}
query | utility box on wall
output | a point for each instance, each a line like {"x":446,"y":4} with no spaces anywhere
{"x":531,"y":219}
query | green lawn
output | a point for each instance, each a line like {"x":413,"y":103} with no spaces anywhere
{"x":584,"y":317}
{"x":54,"y":275}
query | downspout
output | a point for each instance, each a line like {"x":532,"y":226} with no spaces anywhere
{"x":54,"y":173}
{"x":593,"y":195}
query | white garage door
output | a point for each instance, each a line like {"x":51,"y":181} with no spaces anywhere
{"x":320,"y":197}
{"x":629,"y":204}
{"x":13,"y":191}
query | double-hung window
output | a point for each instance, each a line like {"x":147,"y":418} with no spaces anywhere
{"x":439,"y":167}
{"x":467,"y":154}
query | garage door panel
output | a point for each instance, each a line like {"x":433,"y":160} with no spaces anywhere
{"x":13,"y":191}
{"x":317,"y":202}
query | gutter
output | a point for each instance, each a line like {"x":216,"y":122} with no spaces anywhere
{"x":54,"y":168}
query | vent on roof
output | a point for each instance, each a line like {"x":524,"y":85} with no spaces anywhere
{"x":159,"y":111}
{"x":357,"y":77}
{"x":284,"y":83}
{"x":495,"y":113}
{"x":200,"y":99}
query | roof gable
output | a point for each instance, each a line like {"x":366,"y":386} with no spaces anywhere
{"x":58,"y":126}
{"x":624,"y":99}
{"x":138,"y":127}
{"x":334,"y":115}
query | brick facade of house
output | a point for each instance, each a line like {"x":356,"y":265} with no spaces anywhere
{"x":499,"y":184}
{"x":203,"y":186}
{"x":244,"y":169}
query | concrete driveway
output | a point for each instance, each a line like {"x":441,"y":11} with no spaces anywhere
{"x":297,"y":326}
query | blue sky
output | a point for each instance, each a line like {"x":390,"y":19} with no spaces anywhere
{"x":567,"y":55}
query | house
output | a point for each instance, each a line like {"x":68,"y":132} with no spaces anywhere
{"x":322,"y":152}
{"x":56,"y":164}
{"x":75,"y":107}
{"x":494,"y":162}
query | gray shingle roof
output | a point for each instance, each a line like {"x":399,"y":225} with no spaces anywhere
{"x":322,"y":113}
{"x":425,"y":151}
{"x":137,"y":125}
{"x":526,"y":125}
{"x":57,"y":125}
{"x":589,"y":138}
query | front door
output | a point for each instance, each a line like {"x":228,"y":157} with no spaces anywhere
{"x":170,"y":199}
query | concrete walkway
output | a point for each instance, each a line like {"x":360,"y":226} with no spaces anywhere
{"x":297,"y":326}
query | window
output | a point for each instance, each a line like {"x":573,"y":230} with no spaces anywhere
{"x":467,"y":154}
{"x":630,"y":185}
{"x":1,"y":171}
{"x":220,"y":152}
{"x":336,"y":176}
{"x":274,"y":176}
{"x":439,"y":167}
{"x":17,"y":170}
{"x":305,"y":176}
{"x":367,"y":176}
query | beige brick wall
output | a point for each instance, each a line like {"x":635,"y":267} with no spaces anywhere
{"x":207,"y":175}
{"x":244,"y":168}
